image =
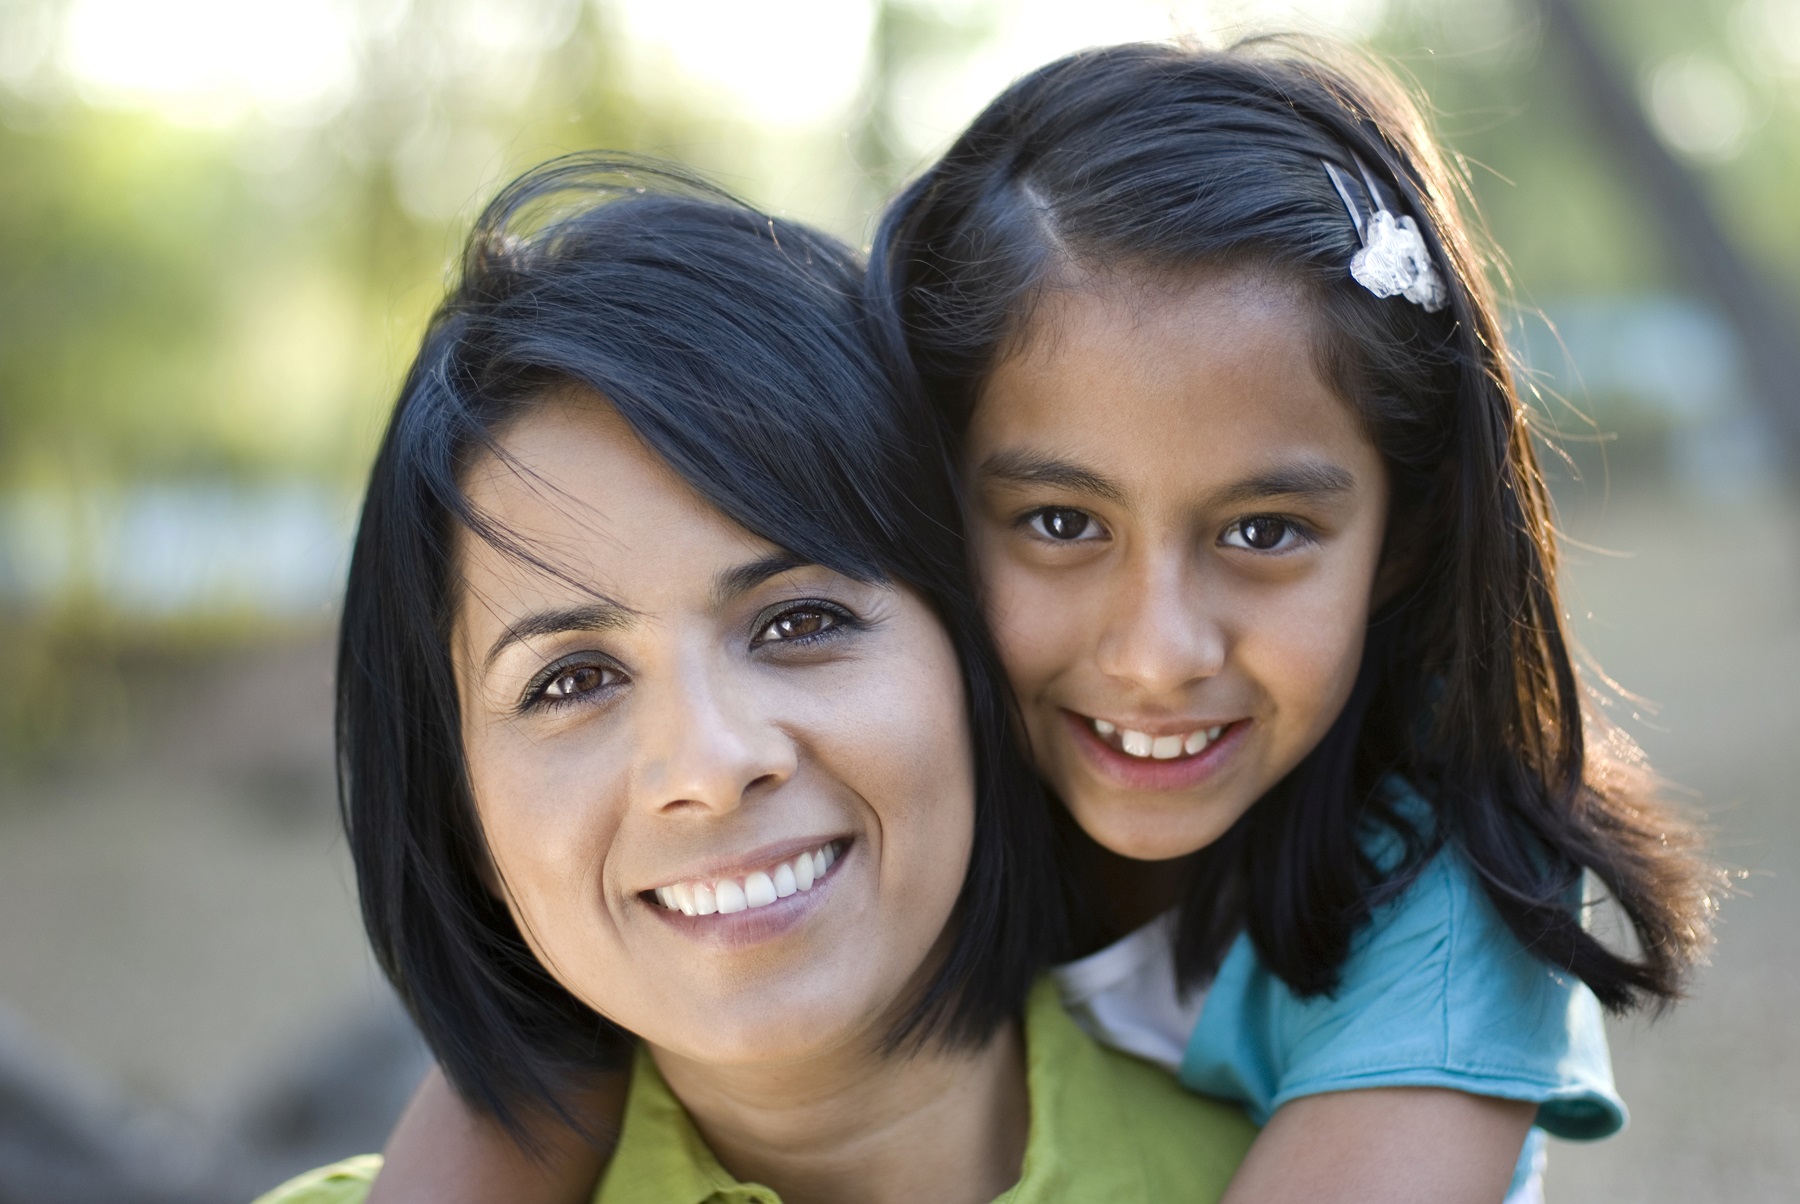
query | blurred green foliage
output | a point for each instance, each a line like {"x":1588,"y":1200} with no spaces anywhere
{"x":1570,"y":221}
{"x":236,"y":301}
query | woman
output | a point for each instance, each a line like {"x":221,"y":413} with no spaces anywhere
{"x":667,"y":723}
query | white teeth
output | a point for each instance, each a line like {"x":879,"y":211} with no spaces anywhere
{"x":1161,"y":748}
{"x":731,"y":898}
{"x":759,"y":890}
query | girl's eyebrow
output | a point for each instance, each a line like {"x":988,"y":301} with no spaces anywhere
{"x":1029,"y":468}
{"x":1311,"y":480}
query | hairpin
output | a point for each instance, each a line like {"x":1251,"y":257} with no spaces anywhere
{"x":1393,"y":260}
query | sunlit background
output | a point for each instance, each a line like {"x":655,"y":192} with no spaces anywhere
{"x":224,"y":222}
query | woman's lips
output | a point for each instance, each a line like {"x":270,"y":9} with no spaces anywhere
{"x":749,"y":909}
{"x":1157,"y":761}
{"x":757,"y":889}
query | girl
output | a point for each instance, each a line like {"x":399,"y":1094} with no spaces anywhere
{"x":653,"y":726}
{"x":1262,"y":541}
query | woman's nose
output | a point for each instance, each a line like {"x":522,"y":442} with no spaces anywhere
{"x":706,"y":741}
{"x":1158,"y":635}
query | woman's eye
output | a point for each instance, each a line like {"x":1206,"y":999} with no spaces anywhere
{"x":1062,"y":524}
{"x":798,"y":625}
{"x":576,"y":681}
{"x":1262,"y":533}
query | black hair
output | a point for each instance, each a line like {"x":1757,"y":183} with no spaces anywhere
{"x":1159,"y":162}
{"x":733,"y":343}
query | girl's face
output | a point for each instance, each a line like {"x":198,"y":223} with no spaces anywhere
{"x":728,"y":794}
{"x":1177,"y":526}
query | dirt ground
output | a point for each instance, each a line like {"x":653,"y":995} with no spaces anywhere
{"x":179,"y":920}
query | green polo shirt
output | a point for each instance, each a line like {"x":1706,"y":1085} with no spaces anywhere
{"x":1104,"y":1127}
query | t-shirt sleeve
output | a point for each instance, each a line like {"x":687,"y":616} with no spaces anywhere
{"x":1436,"y":992}
{"x":346,"y":1182}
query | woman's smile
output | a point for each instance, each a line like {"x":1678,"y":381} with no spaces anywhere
{"x":701,"y":758}
{"x":740,"y":910}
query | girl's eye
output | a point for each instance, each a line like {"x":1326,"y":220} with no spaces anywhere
{"x":1062,"y":524}
{"x":1262,"y":533}
{"x":578,"y":681}
{"x":800,"y":624}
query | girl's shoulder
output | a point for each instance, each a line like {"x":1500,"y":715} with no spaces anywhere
{"x":1436,"y":992}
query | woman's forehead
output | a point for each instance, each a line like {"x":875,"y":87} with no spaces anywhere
{"x":574,"y":500}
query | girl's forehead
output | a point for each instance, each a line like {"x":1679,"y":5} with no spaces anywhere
{"x":1219,"y":358}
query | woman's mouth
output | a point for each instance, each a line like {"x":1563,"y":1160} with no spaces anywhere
{"x":747,"y":892}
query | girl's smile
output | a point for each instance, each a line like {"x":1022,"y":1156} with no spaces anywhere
{"x":1139,"y":758}
{"x":1177,"y":528}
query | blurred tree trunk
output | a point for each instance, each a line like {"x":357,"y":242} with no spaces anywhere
{"x":1757,"y":308}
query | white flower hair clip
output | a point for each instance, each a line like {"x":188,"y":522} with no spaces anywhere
{"x":1393,"y":260}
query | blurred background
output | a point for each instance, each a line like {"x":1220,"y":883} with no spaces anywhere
{"x":224,"y":222}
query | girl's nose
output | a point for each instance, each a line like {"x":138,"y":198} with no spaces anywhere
{"x":707,"y":742}
{"x":1158,"y":635}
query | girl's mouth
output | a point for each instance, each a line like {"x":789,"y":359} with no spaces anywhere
{"x":759,"y":888}
{"x":1155,"y":761}
{"x":1145,"y":747}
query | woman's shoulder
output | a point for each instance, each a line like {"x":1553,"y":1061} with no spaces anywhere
{"x":1105,"y":1125}
{"x":346,"y":1182}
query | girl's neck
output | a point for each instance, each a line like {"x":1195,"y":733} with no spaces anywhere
{"x":1111,"y":895}
{"x":1136,"y":892}
{"x":858,"y":1125}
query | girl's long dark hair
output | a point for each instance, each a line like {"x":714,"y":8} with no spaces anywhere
{"x":1156,"y":161}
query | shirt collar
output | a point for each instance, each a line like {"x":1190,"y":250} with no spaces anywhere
{"x":1073,"y":1152}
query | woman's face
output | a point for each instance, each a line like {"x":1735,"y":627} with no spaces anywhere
{"x":1177,"y":527}
{"x":728,"y":795}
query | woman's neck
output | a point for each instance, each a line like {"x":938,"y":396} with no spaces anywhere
{"x":858,"y":1125}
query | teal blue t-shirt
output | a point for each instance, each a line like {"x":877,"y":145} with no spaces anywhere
{"x":1436,"y":992}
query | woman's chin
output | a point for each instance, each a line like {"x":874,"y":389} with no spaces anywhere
{"x":771,"y":1028}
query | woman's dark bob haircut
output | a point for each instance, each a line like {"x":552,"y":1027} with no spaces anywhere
{"x":733,"y":344}
{"x":1153,"y":163}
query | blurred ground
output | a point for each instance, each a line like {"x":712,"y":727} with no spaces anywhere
{"x":181,"y":943}
{"x":180,"y":919}
{"x":1702,"y":616}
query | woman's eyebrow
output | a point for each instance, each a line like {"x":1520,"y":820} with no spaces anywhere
{"x":1313,"y":481}
{"x":601,"y":615}
{"x":735,"y":582}
{"x":1029,"y":468}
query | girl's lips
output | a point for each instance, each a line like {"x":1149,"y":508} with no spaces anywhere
{"x":1148,"y":773}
